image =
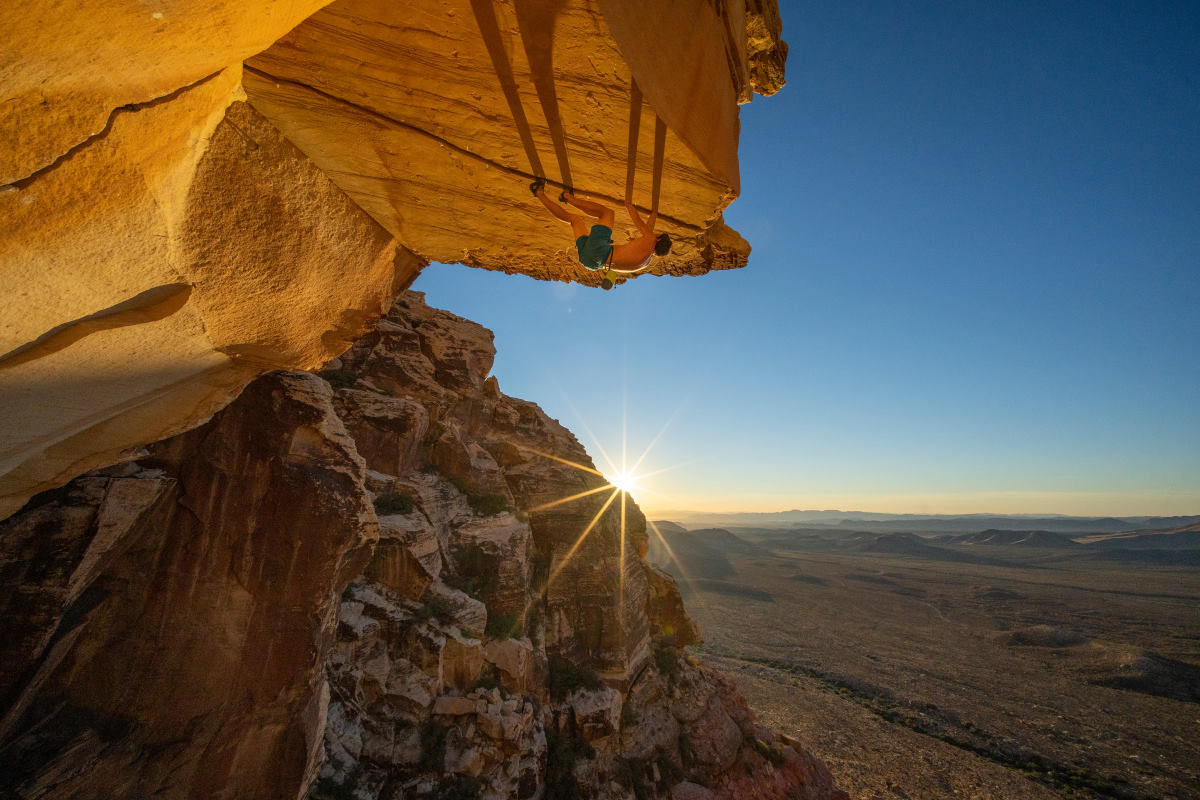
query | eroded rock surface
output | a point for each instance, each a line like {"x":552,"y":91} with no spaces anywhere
{"x":210,"y":620}
{"x":492,"y":647}
{"x":66,"y":66}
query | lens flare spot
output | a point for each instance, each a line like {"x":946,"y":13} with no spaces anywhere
{"x":625,"y":481}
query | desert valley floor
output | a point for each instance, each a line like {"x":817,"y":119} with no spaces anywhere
{"x":925,"y":668}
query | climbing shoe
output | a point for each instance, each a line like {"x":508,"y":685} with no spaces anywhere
{"x":567,"y":190}
{"x":537,"y":186}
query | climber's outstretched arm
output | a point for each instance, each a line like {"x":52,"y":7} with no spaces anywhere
{"x":647,"y":227}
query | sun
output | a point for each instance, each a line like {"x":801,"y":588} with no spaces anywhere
{"x":625,"y":481}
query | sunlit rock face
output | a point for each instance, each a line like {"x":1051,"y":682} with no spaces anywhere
{"x":162,"y":266}
{"x":66,"y":67}
{"x":145,"y":212}
{"x":209,"y":621}
{"x":484,"y":444}
{"x":435,"y":115}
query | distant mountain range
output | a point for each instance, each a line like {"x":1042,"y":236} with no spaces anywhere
{"x":927,"y":523}
{"x":703,"y":553}
{"x":1003,"y":537}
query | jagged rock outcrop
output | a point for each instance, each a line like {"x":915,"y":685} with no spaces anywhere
{"x":173,"y":615}
{"x":147,"y":210}
{"x":504,"y":643}
{"x":206,"y":621}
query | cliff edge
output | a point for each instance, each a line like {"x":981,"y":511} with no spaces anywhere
{"x":196,"y":194}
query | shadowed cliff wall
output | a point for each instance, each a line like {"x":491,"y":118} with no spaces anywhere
{"x":388,"y":587}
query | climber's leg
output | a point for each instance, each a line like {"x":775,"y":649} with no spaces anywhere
{"x":602,"y":213}
{"x":578,"y":226}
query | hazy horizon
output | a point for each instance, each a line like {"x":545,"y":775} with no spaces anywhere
{"x":652,"y":512}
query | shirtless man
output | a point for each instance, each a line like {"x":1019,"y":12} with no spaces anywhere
{"x":595,"y":246}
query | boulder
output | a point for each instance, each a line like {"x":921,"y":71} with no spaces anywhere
{"x":515,"y":661}
{"x":449,"y":706}
{"x":162,"y":267}
{"x":595,"y":714}
{"x":715,"y":738}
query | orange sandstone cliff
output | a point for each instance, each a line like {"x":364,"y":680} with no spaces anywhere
{"x":155,"y":193}
{"x":220,"y":579}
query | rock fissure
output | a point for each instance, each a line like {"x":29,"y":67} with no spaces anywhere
{"x":74,"y":150}
{"x":514,"y":171}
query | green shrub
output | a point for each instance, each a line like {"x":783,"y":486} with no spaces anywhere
{"x":771,"y":752}
{"x":488,"y":681}
{"x":566,"y":677}
{"x":666,"y":658}
{"x":487,"y":504}
{"x":435,"y":608}
{"x":393,"y":503}
{"x":477,"y":574}
{"x":634,"y":773}
{"x":340,"y":378}
{"x":502,"y":626}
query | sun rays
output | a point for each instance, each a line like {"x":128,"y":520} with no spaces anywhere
{"x":623,"y":480}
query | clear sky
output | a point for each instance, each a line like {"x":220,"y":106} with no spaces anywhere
{"x":975,"y":284}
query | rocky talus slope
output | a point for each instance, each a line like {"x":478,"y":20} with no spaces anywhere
{"x":195,"y":193}
{"x":360,"y":585}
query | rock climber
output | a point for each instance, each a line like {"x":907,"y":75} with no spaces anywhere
{"x":595,"y":246}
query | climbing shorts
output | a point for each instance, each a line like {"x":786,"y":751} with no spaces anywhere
{"x":596,"y":248}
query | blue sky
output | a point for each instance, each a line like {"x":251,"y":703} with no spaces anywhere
{"x":975,"y":283}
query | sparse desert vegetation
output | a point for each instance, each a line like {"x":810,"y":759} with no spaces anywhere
{"x":1002,"y":666}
